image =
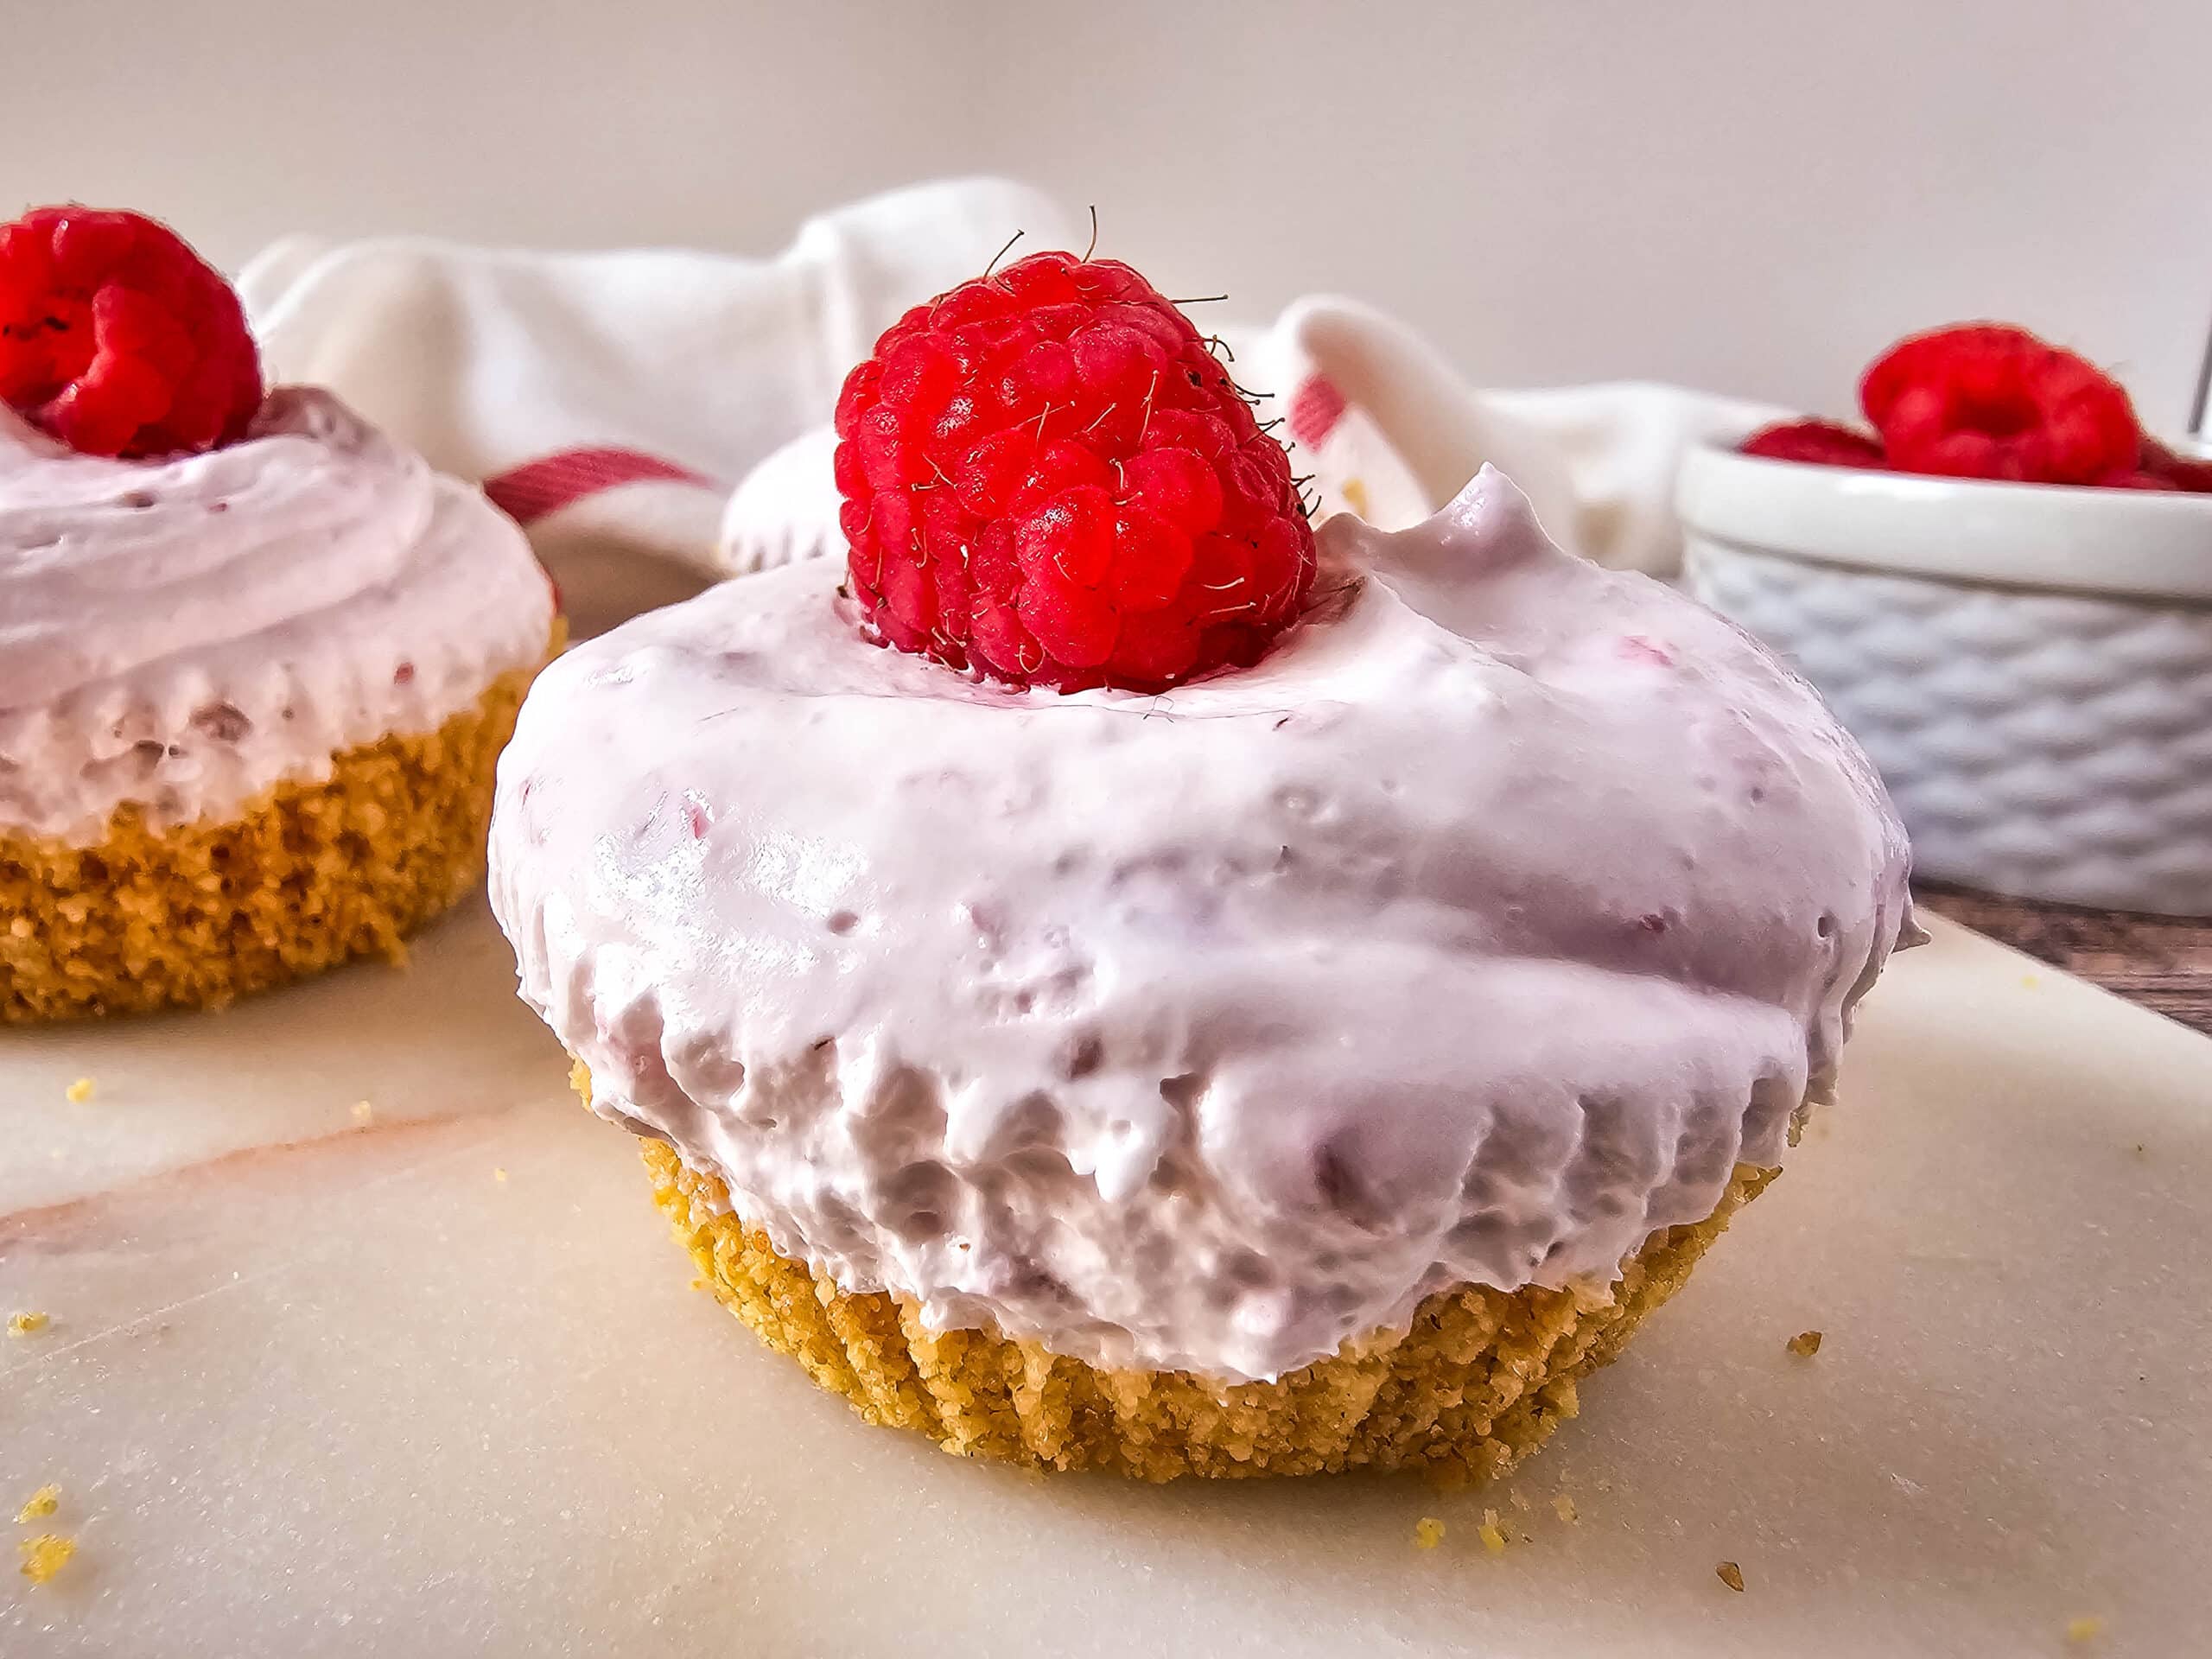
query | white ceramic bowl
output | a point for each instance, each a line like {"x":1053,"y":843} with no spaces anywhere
{"x":2029,"y":666}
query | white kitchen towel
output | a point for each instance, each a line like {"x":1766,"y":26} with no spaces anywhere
{"x":656,"y":417}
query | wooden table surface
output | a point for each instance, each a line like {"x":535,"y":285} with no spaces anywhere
{"x":2161,"y":962}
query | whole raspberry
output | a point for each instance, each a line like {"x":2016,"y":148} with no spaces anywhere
{"x":116,"y":339}
{"x":1824,"y":443}
{"x":1049,"y":480}
{"x":1988,"y":400}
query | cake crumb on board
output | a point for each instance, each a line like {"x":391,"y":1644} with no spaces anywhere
{"x":41,"y":1503}
{"x":363,"y":1111}
{"x":28,"y":1322}
{"x":1428,"y":1532}
{"x":1564,"y":1505}
{"x":79,"y":1091}
{"x":2088,"y":1628}
{"x":45,"y":1556}
{"x":1731,"y":1575}
{"x":1492,"y":1537}
{"x":1804,"y":1344}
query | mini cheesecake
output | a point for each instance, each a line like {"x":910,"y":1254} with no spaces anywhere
{"x":256,"y":660}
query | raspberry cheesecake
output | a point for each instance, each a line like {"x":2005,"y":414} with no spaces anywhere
{"x":1115,"y":984}
{"x":256,"y":659}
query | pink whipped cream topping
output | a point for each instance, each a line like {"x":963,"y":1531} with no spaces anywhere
{"x":1475,"y":934}
{"x":180,"y":634}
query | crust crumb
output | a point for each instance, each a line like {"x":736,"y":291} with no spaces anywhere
{"x":45,"y":1556}
{"x":1731,"y":1575}
{"x":1804,"y":1344}
{"x":43,"y":1502}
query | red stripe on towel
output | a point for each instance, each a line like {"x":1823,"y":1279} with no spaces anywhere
{"x":1315,"y":408}
{"x":530,"y":492}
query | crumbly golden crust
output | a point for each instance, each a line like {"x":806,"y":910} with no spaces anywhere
{"x":309,"y":875}
{"x":1480,"y":1379}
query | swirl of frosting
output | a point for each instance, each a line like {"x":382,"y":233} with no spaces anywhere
{"x":180,"y":633}
{"x":1475,"y":934}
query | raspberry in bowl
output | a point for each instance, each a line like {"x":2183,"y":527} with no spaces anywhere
{"x":1111,"y":980}
{"x":256,"y":659}
{"x":2005,"y":589}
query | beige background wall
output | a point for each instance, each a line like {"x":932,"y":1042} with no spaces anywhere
{"x":1749,"y":196}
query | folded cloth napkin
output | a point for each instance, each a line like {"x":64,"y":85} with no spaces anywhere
{"x":657,"y":417}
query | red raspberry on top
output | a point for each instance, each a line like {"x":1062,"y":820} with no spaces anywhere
{"x":116,"y":339}
{"x":1988,"y":400}
{"x":1048,"y":479}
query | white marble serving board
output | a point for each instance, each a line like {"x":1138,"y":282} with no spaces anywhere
{"x":320,"y":1386}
